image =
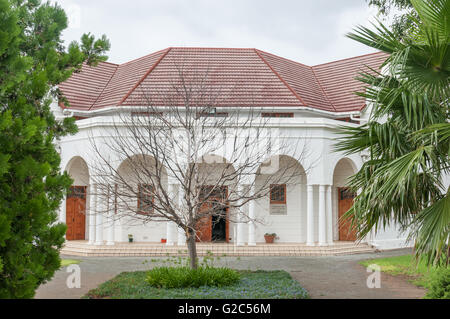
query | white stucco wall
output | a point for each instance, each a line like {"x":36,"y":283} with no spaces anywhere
{"x":311,"y":139}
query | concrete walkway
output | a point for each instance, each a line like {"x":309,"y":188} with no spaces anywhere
{"x":322,"y":277}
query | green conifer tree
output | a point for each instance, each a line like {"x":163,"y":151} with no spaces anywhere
{"x":33,"y":60}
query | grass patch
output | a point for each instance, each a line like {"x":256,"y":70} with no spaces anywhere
{"x":252,"y":284}
{"x":182,"y":277}
{"x":67,"y":262}
{"x":419,"y":275}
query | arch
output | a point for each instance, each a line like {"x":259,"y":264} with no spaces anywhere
{"x":78,"y":170}
{"x":132,"y":174}
{"x":343,"y":169}
{"x":342,"y":198}
{"x":211,"y":169}
{"x":136,"y":166}
{"x":283,"y":165}
{"x":287,"y":217}
{"x":130,"y":180}
{"x":77,"y":199}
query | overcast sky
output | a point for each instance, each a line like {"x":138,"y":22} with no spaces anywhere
{"x":307,"y":31}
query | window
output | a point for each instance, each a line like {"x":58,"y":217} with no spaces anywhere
{"x":278,"y":194}
{"x":77,"y":191}
{"x":145,"y":199}
{"x":277,"y":114}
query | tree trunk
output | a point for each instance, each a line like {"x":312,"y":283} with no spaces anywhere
{"x":192,"y":248}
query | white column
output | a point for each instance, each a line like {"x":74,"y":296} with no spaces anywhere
{"x":240,"y":241}
{"x":322,"y":217}
{"x":92,"y":205}
{"x":99,"y":219}
{"x":171,"y":233}
{"x":170,"y":226}
{"x":181,"y":232}
{"x":329,"y":216}
{"x":334,"y":197}
{"x":110,"y":204}
{"x":181,"y":237}
{"x":252,"y":216}
{"x":310,"y":216}
{"x":62,"y":211}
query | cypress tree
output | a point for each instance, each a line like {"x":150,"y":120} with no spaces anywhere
{"x":33,"y":60}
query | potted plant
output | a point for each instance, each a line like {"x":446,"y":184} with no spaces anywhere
{"x":270,"y":237}
{"x":130,"y":238}
{"x":163,"y":240}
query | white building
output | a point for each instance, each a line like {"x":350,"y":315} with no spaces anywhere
{"x":307,"y":102}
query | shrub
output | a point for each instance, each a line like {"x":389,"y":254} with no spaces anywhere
{"x":440,"y":285}
{"x":182,"y":277}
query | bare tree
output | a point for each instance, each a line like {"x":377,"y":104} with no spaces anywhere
{"x":186,"y":135}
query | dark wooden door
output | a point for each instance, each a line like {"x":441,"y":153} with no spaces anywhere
{"x":346,"y":233}
{"x":76,"y":213}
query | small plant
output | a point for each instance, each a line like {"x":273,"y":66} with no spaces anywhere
{"x":270,"y":237}
{"x":130,"y":238}
{"x":440,"y":285}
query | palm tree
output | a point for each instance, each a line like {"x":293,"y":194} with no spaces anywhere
{"x":407,"y":135}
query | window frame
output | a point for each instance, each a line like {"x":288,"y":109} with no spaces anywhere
{"x":278,"y":202}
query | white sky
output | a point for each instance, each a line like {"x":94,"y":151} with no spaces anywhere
{"x":307,"y":31}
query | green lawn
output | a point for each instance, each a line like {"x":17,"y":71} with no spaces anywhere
{"x":419,"y":275}
{"x":253,"y":284}
{"x":67,"y":262}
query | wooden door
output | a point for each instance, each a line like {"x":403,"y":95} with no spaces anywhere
{"x":76,"y":213}
{"x":346,"y":233}
{"x":205,"y":225}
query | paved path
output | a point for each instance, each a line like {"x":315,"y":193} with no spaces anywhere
{"x":323,"y":277}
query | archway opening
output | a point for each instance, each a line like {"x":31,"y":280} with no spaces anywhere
{"x":343,"y":199}
{"x":214,"y":191}
{"x":283,"y":208}
{"x":76,"y":200}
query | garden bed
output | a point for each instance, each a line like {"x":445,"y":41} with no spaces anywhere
{"x":252,"y":285}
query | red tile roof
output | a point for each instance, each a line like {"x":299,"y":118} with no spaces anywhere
{"x":230,"y":77}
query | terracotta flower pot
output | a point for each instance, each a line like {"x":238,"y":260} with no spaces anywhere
{"x":269,"y":239}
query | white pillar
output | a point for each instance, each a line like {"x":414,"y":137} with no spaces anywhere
{"x":322,"y":217}
{"x":310,"y":216}
{"x":240,"y":241}
{"x":252,"y":216}
{"x":62,"y":211}
{"x":170,"y":226}
{"x":92,"y":205}
{"x":181,"y":232}
{"x":99,"y":219}
{"x":335,"y":213}
{"x":181,"y":237}
{"x":329,"y":216}
{"x":171,"y":233}
{"x":110,"y":210}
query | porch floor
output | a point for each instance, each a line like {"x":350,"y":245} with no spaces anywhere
{"x":135,"y":249}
